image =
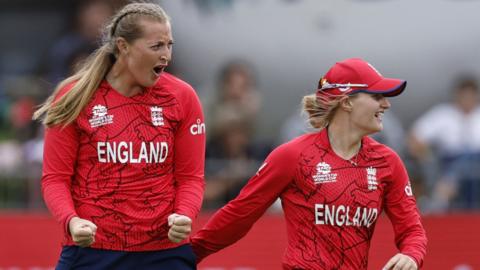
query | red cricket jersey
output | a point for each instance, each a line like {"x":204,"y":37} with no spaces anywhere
{"x":126,"y":163}
{"x":330,"y":204}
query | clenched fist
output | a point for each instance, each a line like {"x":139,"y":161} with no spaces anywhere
{"x":82,"y":231}
{"x":401,"y":262}
{"x":180,"y":227}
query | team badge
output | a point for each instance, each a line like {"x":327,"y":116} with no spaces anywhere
{"x":100,"y":116}
{"x":157,"y":116}
{"x":372,"y":178}
{"x":324,"y":174}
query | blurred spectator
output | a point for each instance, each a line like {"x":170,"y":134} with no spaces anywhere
{"x":447,"y":138}
{"x":231,"y":159}
{"x":236,"y":92}
{"x":21,"y":140}
{"x":10,"y":164}
{"x":21,"y":112}
{"x":19,"y":144}
{"x":232,"y":153}
{"x":81,"y":40}
{"x":295,"y":125}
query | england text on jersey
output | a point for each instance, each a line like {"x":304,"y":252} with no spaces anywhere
{"x":340,"y":215}
{"x":124,"y":152}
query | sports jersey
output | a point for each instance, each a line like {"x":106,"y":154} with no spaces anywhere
{"x":127,"y":163}
{"x":330,"y":204}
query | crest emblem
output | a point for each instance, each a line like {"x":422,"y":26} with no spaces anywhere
{"x":157,"y":116}
{"x":372,"y":178}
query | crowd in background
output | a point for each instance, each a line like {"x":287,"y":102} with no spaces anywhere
{"x":441,"y":148}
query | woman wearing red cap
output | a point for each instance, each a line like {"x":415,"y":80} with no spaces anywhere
{"x":333,"y":183}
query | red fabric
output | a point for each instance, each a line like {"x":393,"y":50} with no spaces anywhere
{"x":127,"y":163}
{"x":330,"y":205}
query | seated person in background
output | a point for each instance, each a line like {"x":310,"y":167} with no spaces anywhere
{"x":236,"y":92}
{"x":232,"y":156}
{"x":80,"y":41}
{"x":448,"y":137}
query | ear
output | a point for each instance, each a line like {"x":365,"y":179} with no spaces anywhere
{"x":122,"y":45}
{"x":346,"y":104}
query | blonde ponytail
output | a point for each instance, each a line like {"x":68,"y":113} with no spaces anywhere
{"x":124,"y":24}
{"x":320,"y":109}
{"x":67,"y":108}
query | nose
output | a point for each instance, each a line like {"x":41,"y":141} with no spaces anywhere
{"x":385,"y":103}
{"x":165,"y":54}
{"x":164,"y":59}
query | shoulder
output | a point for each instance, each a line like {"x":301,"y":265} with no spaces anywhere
{"x":63,"y":90}
{"x":379,"y":150}
{"x":175,"y":85}
{"x":182,"y":95}
{"x":384,"y":156}
{"x":292,"y":149}
{"x":305,"y":139}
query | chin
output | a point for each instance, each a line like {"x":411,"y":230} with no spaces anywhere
{"x":375,"y":129}
{"x":149,"y":81}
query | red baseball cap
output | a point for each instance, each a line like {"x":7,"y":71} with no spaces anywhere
{"x":356,"y":75}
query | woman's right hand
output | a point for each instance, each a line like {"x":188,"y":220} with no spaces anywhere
{"x":82,"y":231}
{"x":180,"y":227}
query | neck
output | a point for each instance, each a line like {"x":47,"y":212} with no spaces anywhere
{"x":345,"y":142}
{"x":121,"y":80}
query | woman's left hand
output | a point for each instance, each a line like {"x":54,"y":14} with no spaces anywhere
{"x":180,"y":227}
{"x":401,"y":262}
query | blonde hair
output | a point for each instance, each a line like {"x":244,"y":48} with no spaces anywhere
{"x":125,"y":24}
{"x":320,"y":108}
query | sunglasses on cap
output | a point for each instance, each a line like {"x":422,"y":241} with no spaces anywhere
{"x":343,"y":87}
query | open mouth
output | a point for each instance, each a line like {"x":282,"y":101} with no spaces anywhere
{"x":158,"y":69}
{"x":379,"y":115}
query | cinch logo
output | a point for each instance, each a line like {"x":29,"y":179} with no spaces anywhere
{"x":157,"y":116}
{"x":323,"y":174}
{"x":100,"y":116}
{"x":408,"y":189}
{"x":198,"y":128}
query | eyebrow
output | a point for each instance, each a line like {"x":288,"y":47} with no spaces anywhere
{"x":153,"y":43}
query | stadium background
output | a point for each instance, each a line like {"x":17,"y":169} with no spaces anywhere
{"x":288,"y":44}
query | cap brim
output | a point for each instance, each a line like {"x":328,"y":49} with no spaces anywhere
{"x":387,"y":87}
